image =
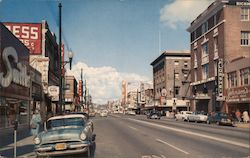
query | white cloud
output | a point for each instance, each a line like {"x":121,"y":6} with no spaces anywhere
{"x":182,"y":11}
{"x":104,"y":83}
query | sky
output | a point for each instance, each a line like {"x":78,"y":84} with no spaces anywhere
{"x":112,"y":40}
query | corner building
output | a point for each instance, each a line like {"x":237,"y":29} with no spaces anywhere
{"x":171,"y":76}
{"x":219,"y":36}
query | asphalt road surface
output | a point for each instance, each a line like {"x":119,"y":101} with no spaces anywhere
{"x":122,"y":136}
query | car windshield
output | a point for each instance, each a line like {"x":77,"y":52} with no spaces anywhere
{"x":65,"y":122}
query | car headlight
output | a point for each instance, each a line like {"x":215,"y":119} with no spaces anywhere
{"x":83,"y":136}
{"x":37,"y":140}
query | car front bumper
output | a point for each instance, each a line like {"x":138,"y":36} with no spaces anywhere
{"x":70,"y":150}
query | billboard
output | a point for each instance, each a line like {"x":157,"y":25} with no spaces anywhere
{"x":29,"y":34}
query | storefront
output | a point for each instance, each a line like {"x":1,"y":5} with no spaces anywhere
{"x":14,"y":80}
{"x":238,"y":99}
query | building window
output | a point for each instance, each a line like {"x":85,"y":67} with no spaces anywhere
{"x":177,"y":75}
{"x":245,"y":76}
{"x":244,"y":40}
{"x":176,"y":63}
{"x":216,"y":44}
{"x":177,"y":90}
{"x":244,"y":14}
{"x":204,"y":27}
{"x":205,"y":49}
{"x":185,"y":64}
{"x":232,"y":79}
{"x":205,"y":71}
{"x":185,"y":75}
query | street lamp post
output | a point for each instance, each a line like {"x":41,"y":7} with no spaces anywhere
{"x":61,"y":62}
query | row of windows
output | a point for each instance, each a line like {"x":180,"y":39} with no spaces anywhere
{"x":176,"y":91}
{"x":244,"y":16}
{"x":243,"y":77}
{"x":244,"y":41}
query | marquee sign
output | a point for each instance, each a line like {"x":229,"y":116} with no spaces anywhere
{"x":220,"y":80}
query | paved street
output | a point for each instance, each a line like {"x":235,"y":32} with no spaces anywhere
{"x":123,"y":136}
{"x":133,"y":136}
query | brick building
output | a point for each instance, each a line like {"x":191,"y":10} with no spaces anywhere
{"x":170,"y":78}
{"x":218,"y":36}
{"x":43,"y":56}
{"x":71,"y":95}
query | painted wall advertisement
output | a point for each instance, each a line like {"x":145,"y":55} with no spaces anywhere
{"x":239,"y":94}
{"x":29,"y":34}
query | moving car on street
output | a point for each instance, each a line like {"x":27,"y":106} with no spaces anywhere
{"x":219,"y":118}
{"x":66,"y":135}
{"x":197,"y":117}
{"x":183,"y":115}
{"x":104,"y":113}
{"x":154,"y":115}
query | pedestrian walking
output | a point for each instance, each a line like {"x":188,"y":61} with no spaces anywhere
{"x":245,"y":117}
{"x":238,"y":115}
{"x":35,"y":123}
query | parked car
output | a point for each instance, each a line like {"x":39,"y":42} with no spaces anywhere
{"x":183,"y":115}
{"x":154,"y":115}
{"x":197,"y":117}
{"x":220,"y":118}
{"x":104,"y":113}
{"x":70,"y":134}
{"x":131,"y":112}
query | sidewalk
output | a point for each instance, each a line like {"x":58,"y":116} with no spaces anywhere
{"x":24,"y":143}
{"x":242,"y":125}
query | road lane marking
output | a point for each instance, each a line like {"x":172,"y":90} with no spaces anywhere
{"x":176,"y":148}
{"x":194,"y":134}
{"x":133,"y":128}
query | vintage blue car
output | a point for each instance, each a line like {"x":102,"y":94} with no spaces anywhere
{"x":66,"y":135}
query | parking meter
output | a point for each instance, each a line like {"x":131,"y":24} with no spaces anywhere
{"x":15,"y":134}
{"x":15,"y":125}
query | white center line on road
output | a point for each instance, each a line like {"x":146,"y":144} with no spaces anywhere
{"x":161,"y":141}
{"x":194,"y":134}
{"x":133,"y":128}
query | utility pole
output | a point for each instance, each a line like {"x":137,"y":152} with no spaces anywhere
{"x":174,"y":103}
{"x":88,"y":102}
{"x":85,"y":93}
{"x":60,"y":62}
{"x":81,"y":95}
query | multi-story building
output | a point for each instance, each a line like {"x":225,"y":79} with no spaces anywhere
{"x":132,"y":99}
{"x":218,"y":36}
{"x":171,"y":80}
{"x":43,"y":55}
{"x":71,"y":94}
